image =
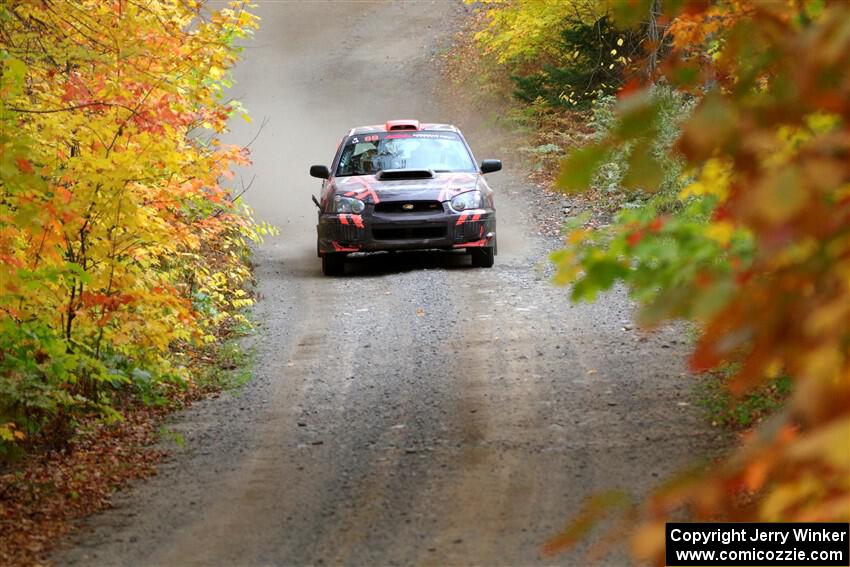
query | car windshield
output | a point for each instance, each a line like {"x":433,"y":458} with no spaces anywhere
{"x":369,"y":153}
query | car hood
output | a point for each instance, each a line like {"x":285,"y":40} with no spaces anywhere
{"x":441,"y":187}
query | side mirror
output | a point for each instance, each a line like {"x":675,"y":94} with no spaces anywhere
{"x":321,"y":171}
{"x":491,"y":165}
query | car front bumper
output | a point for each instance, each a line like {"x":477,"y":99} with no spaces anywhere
{"x":373,"y":232}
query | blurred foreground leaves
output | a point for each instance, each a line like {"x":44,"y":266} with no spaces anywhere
{"x":754,"y":246}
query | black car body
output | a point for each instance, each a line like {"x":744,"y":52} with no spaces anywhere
{"x":405,"y":186}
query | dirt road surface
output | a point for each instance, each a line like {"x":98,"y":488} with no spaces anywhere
{"x":418,"y":411}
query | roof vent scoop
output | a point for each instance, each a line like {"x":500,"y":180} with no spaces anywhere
{"x":390,"y":174}
{"x":393,"y":125}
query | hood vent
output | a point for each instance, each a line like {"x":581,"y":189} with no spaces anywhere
{"x":393,"y":125}
{"x":391,"y":174}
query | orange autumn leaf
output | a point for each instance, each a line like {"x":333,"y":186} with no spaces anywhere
{"x":24,"y":165}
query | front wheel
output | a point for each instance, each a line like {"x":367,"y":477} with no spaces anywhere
{"x":483,"y":257}
{"x":333,"y":264}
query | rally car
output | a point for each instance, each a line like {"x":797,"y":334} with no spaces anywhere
{"x":405,"y":186}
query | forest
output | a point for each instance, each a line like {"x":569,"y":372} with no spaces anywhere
{"x":708,"y":140}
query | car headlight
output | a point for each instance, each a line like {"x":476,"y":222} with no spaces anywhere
{"x":347,"y":205}
{"x":468,"y":200}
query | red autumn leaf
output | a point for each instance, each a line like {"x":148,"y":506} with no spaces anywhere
{"x":657,"y":224}
{"x":634,"y":238}
{"x":630,"y":87}
{"x":24,"y":165}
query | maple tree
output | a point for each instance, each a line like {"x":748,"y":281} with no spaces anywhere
{"x":756,"y":248}
{"x":121,"y":243}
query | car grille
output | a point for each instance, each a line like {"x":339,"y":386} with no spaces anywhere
{"x":347,"y":233}
{"x":409,"y":233}
{"x":469,"y":229}
{"x":409,"y":207}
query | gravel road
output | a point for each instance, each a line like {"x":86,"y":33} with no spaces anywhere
{"x":417,"y":411}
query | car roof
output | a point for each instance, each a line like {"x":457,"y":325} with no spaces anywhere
{"x":402,"y":125}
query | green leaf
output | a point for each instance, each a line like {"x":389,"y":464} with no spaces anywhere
{"x":711,"y":127}
{"x":578,"y":167}
{"x":14,"y":72}
{"x":688,"y":75}
{"x":644,"y":170}
{"x":600,"y":276}
{"x":638,"y":117}
{"x":631,"y":13}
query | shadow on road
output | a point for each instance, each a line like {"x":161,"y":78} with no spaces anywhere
{"x":383,"y":263}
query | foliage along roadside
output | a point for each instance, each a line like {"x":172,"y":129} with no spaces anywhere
{"x":564,"y":54}
{"x":122,"y":248}
{"x":733,"y":212}
{"x":760,"y":258}
{"x":47,"y":492}
{"x":551,"y":69}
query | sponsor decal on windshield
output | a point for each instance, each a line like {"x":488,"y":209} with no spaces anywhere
{"x":404,"y":135}
{"x":435,"y":136}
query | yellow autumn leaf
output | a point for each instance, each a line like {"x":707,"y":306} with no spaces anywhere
{"x":713,"y":179}
{"x":648,"y":540}
{"x":720,"y":231}
{"x":830,"y":444}
{"x":577,"y":236}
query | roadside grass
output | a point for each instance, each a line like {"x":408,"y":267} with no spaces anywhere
{"x":231,"y":368}
{"x":739,"y":413}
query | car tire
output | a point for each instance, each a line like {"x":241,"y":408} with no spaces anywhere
{"x":483,"y":257}
{"x":333,"y":264}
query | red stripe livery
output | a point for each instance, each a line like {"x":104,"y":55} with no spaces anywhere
{"x":448,"y":192}
{"x":356,"y":219}
{"x":474,"y":213}
{"x":475,"y":244}
{"x":367,"y":191}
{"x":340,"y":248}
